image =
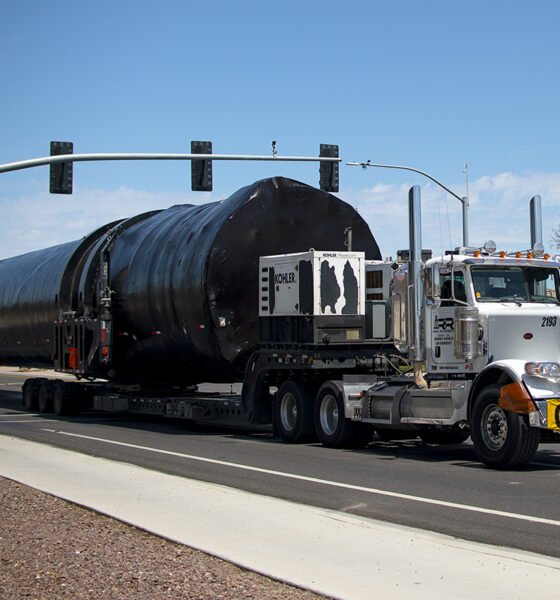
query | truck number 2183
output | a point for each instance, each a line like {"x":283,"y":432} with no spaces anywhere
{"x":548,"y":322}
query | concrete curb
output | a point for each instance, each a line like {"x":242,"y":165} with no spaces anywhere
{"x":326,"y":551}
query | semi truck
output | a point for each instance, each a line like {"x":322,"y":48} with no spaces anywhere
{"x":282,"y":287}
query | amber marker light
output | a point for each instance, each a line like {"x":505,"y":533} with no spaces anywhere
{"x":515,"y":398}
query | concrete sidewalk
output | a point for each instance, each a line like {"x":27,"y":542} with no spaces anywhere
{"x":330,"y":552}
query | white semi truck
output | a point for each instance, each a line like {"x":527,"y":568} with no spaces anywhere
{"x":480,"y":329}
{"x":330,"y":342}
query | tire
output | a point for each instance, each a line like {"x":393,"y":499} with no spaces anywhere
{"x":502,"y":439}
{"x":443,"y":437}
{"x":293,"y":412}
{"x":45,"y":396}
{"x":30,"y":394}
{"x":65,"y":399}
{"x":333,"y":429}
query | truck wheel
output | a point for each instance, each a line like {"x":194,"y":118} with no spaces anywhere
{"x":45,"y":396}
{"x":442,"y":437}
{"x":333,"y":429}
{"x":65,"y":400}
{"x":293,"y":412}
{"x":30,"y":394}
{"x":502,"y":439}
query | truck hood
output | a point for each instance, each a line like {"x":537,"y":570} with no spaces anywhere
{"x":529,"y":332}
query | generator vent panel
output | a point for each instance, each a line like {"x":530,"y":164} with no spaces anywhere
{"x":313,"y":283}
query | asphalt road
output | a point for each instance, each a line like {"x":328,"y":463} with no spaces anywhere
{"x":443,"y":489}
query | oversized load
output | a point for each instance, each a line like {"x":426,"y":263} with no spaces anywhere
{"x":174,"y":291}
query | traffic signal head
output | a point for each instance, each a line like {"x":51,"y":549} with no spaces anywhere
{"x":201,"y":169}
{"x":61,"y":174}
{"x":328,"y":170}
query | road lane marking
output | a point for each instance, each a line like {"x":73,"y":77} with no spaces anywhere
{"x":347,"y":486}
{"x":23,"y":420}
{"x":17,"y":414}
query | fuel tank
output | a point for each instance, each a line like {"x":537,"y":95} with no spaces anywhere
{"x":183,"y":282}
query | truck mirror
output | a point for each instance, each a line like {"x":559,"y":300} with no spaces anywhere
{"x":433,"y":302}
{"x":433,"y":287}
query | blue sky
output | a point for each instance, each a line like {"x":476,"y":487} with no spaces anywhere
{"x":430,"y":84}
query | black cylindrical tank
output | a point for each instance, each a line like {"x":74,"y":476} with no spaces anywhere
{"x":185,"y":281}
{"x":29,"y":287}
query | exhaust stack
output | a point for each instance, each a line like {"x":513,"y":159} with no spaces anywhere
{"x":415,"y":286}
{"x":535,"y":211}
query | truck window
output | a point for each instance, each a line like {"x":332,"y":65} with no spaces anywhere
{"x":515,"y":284}
{"x":453,"y":287}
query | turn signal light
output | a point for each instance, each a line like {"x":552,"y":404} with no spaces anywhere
{"x":515,"y":398}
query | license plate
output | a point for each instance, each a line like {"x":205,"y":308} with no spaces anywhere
{"x":553,"y":420}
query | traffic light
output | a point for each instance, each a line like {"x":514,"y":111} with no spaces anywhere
{"x":328,"y":171}
{"x":201,"y":169}
{"x":61,"y":173}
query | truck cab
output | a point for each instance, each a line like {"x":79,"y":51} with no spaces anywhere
{"x":506,"y":308}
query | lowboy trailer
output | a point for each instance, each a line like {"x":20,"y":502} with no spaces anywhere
{"x":282,"y":288}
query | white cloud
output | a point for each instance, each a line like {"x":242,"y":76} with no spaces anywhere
{"x":38,"y":220}
{"x":499,"y":210}
{"x":35,"y":219}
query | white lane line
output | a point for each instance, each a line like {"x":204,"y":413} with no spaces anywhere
{"x":23,"y":420}
{"x":28,"y":415}
{"x":347,"y":486}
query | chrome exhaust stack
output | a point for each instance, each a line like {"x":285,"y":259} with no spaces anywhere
{"x":535,"y":212}
{"x":415,"y":285}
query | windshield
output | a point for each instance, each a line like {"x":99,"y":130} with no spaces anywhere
{"x":515,"y":284}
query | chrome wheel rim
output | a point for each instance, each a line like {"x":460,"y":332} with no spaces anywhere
{"x":288,"y":411}
{"x":494,"y":427}
{"x":328,"y":414}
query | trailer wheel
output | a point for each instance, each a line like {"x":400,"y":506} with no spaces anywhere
{"x":293,"y":412}
{"x":30,"y":394}
{"x":501,"y":439}
{"x":333,"y":429}
{"x":45,"y":396}
{"x":65,"y":400}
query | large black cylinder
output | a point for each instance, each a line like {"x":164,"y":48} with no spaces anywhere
{"x":184,"y":281}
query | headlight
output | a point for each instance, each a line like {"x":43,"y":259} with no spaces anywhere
{"x":544,"y":369}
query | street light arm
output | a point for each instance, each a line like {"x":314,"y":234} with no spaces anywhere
{"x":370,"y":164}
{"x":463,"y":200}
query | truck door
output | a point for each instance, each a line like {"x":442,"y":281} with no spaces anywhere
{"x":440,"y":322}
